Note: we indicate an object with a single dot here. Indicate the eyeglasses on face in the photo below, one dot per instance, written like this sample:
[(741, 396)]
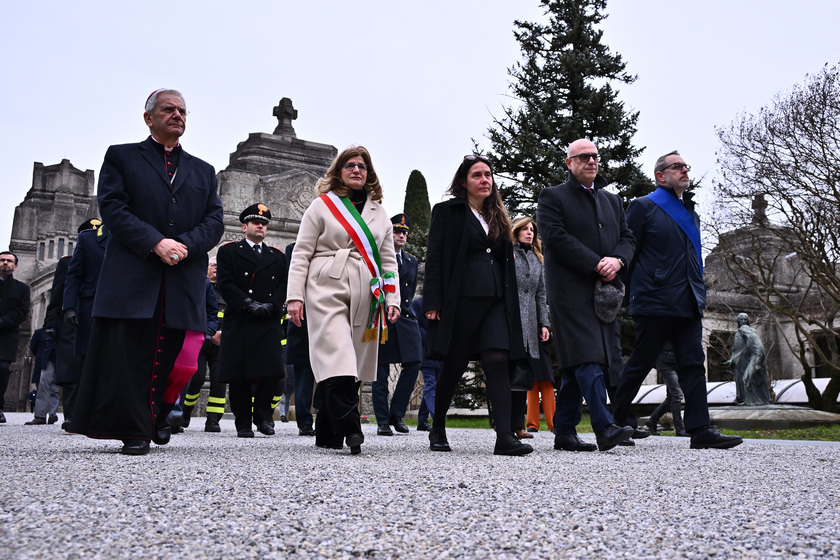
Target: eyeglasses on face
[(584, 158), (678, 166), (350, 166)]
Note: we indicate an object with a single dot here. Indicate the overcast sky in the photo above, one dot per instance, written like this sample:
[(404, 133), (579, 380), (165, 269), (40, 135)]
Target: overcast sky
[(412, 81)]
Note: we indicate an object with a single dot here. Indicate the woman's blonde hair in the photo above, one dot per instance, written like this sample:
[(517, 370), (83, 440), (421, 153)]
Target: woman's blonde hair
[(332, 180), (518, 225)]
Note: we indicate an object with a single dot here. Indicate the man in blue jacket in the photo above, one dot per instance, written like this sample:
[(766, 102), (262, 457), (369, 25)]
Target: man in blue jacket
[(667, 298)]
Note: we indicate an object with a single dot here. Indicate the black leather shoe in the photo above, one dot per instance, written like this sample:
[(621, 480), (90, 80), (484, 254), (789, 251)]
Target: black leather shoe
[(175, 425), (627, 443), (710, 438), (306, 432), (53, 419), (653, 428), (424, 426), (437, 441), (354, 442), (162, 431), (2, 417), (509, 444), (36, 422), (384, 430), (612, 436), (283, 418), (266, 428), (398, 424), (212, 426), (65, 425), (135, 447), (185, 419), (533, 430), (245, 432), (640, 434), (682, 433), (572, 443)]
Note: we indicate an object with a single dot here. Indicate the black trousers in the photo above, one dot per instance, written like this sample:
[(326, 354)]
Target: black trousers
[(253, 394), (339, 415), (685, 333)]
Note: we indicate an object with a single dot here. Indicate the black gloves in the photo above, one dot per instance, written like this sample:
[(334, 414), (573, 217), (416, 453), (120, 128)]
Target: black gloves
[(70, 318), (258, 310)]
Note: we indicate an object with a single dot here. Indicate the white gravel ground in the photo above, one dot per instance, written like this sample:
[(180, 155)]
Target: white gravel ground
[(216, 496)]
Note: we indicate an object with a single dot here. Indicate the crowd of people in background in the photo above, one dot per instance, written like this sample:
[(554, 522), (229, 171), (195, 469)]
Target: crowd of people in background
[(140, 315)]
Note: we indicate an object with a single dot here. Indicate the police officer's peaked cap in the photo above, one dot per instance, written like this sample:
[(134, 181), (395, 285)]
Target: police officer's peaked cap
[(256, 212), (93, 223), (401, 221)]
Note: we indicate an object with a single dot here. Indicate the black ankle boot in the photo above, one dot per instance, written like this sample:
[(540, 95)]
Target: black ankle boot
[(508, 444), (163, 431)]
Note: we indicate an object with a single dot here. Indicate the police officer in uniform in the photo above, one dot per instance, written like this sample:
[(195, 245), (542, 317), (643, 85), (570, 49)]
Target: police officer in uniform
[(252, 280), (403, 345)]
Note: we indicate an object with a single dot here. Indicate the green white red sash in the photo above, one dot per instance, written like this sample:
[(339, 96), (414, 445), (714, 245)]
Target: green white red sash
[(350, 219)]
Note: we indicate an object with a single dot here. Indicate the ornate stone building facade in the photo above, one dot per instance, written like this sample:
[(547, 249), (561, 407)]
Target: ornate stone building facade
[(277, 169)]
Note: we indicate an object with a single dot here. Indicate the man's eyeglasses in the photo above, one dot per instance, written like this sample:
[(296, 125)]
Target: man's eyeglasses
[(169, 109), (349, 166), (678, 166), (584, 158)]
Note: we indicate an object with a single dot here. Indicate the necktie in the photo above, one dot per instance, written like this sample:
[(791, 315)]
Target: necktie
[(591, 190), (399, 260), (257, 249)]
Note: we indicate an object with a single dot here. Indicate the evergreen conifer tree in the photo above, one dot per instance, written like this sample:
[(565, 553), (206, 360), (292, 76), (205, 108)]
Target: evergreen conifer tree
[(419, 211), (565, 86)]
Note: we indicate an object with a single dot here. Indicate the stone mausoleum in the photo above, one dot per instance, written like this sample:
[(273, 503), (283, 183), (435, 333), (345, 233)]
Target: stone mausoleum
[(278, 169)]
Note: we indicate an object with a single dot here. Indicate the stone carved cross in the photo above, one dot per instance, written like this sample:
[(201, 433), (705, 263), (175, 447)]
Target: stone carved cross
[(285, 114)]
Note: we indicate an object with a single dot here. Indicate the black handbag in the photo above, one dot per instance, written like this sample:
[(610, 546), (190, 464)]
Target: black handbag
[(521, 378)]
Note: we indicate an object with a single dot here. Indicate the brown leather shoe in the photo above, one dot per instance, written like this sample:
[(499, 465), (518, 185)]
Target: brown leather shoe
[(522, 434)]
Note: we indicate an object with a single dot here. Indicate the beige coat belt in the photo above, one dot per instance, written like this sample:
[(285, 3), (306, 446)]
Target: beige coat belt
[(340, 264)]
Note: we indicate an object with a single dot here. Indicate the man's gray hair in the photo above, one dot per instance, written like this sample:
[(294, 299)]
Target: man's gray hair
[(660, 163), (151, 101)]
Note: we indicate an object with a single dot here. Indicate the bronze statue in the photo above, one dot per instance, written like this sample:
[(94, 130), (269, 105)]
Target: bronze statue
[(749, 365)]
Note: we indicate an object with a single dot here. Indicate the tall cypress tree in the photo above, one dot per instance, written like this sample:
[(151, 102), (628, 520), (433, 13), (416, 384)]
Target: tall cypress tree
[(419, 211), (564, 84)]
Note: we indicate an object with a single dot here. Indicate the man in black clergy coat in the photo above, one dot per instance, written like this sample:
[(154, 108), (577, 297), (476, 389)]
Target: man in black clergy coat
[(586, 239), (403, 344), (163, 214), (14, 309), (252, 279), (667, 298)]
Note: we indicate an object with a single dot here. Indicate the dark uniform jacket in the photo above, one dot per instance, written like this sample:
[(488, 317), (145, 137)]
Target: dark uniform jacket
[(297, 340), (577, 231), (449, 276), (665, 277), (251, 347), (14, 308), (403, 344), (141, 208), (81, 281)]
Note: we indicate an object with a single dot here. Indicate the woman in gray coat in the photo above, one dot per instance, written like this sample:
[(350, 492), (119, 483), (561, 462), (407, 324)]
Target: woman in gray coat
[(528, 259)]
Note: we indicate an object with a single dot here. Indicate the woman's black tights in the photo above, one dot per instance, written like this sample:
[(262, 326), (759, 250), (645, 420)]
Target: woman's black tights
[(495, 364)]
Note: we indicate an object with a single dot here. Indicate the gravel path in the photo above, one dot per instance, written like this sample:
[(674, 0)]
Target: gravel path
[(217, 496)]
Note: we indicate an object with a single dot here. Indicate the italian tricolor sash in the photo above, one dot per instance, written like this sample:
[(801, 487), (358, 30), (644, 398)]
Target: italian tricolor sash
[(350, 219)]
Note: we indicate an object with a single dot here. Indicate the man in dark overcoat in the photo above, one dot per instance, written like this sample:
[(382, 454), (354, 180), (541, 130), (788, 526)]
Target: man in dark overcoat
[(403, 344), (667, 298), (14, 308), (75, 302), (163, 214), (586, 240), (252, 279)]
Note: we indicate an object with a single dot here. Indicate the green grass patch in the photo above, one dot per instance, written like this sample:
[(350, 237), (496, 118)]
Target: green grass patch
[(819, 433)]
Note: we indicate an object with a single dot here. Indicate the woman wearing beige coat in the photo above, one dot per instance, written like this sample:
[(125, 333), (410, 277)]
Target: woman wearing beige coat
[(331, 281)]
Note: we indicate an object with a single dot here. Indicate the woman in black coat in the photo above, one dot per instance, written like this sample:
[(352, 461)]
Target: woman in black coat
[(470, 298)]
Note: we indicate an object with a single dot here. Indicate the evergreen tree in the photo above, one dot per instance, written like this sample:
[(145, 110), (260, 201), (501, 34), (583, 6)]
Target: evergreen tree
[(419, 211), (565, 86)]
